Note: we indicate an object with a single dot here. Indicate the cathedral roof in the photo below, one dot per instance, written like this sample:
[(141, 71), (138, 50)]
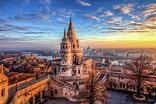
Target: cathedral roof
[(65, 38), (71, 31)]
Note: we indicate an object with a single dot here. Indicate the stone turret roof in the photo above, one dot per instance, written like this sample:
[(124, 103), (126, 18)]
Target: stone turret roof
[(71, 31), (65, 38)]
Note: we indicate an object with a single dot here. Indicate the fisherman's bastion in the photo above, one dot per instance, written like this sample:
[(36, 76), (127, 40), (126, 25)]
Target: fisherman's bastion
[(69, 74)]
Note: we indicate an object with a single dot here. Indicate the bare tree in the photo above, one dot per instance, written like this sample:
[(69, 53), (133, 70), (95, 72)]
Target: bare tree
[(94, 90), (141, 70)]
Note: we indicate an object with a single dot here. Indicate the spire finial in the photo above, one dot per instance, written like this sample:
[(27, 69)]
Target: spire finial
[(64, 31), (70, 20)]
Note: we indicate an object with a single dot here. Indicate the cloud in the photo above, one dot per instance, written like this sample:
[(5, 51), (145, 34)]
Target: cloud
[(96, 26), (115, 19), (150, 8), (2, 21), (136, 24), (106, 13), (142, 26), (115, 28), (2, 28), (106, 31), (83, 3), (46, 2), (62, 21), (125, 9), (65, 13), (32, 17), (12, 26), (151, 18), (91, 17), (139, 31), (36, 32)]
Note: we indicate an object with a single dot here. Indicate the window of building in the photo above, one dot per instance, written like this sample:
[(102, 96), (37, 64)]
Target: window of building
[(55, 91), (73, 45), (3, 92), (78, 71), (63, 47)]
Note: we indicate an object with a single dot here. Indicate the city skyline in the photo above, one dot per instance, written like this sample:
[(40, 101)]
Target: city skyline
[(38, 24)]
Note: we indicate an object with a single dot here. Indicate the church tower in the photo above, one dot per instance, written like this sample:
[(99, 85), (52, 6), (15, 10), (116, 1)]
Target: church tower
[(65, 49), (75, 44)]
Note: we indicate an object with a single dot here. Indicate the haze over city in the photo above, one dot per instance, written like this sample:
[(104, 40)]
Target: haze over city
[(39, 24)]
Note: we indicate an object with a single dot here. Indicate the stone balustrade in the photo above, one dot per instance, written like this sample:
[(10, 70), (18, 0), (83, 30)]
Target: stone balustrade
[(20, 83)]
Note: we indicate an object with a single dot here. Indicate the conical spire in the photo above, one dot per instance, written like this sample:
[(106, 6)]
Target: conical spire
[(71, 31), (65, 33), (65, 37)]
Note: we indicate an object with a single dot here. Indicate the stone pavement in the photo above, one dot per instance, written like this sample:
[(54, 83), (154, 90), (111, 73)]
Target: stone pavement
[(117, 97), (122, 97)]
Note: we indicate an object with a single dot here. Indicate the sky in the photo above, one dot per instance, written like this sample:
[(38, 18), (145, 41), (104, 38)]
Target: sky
[(39, 24)]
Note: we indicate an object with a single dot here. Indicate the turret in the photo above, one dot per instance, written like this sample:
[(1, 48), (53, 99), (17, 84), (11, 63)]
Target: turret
[(65, 50), (71, 31), (65, 38)]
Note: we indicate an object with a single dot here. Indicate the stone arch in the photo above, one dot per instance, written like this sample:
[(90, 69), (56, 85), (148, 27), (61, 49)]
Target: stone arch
[(63, 47), (55, 70), (73, 45), (122, 85), (2, 92), (74, 57), (112, 83), (131, 85), (51, 93)]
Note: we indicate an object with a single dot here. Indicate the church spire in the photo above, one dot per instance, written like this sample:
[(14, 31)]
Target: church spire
[(65, 33), (71, 31), (65, 37)]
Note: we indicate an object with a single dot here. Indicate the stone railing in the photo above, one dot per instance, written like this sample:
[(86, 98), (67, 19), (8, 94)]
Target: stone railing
[(61, 84), (20, 83), (67, 78), (26, 93)]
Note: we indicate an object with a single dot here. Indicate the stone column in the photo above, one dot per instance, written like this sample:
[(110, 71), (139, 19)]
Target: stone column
[(118, 83), (33, 100), (41, 97)]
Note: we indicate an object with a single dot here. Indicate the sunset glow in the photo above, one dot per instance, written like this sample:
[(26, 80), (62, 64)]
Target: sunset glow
[(39, 24)]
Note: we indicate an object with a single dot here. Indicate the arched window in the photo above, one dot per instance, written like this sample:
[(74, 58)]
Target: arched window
[(2, 92), (55, 91), (63, 47), (78, 71), (73, 45)]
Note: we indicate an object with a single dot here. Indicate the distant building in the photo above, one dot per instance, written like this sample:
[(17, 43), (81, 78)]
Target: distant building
[(92, 52)]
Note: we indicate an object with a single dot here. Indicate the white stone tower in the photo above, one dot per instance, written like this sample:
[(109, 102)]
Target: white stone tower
[(65, 49), (75, 44)]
